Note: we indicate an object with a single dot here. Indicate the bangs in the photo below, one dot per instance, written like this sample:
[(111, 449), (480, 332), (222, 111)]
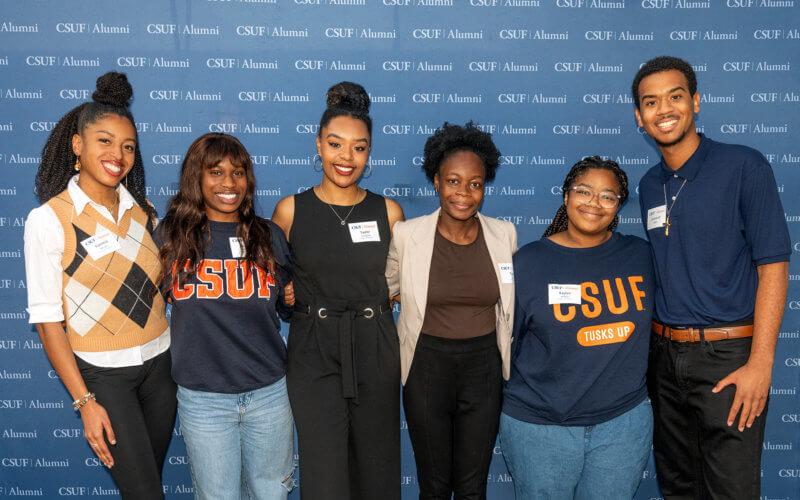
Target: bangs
[(221, 147)]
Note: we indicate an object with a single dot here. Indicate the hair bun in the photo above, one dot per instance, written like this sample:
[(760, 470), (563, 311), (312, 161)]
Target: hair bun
[(349, 95), (113, 88)]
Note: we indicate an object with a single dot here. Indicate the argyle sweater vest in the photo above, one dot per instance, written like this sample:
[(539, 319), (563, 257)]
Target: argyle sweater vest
[(110, 303)]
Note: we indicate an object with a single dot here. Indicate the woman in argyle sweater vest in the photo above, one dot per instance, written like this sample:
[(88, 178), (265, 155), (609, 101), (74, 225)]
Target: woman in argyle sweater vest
[(91, 267)]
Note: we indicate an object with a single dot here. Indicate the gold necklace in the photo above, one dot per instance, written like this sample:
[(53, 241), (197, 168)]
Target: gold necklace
[(116, 202)]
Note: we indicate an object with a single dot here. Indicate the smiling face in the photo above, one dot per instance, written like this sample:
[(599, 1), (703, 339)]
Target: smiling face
[(224, 186), (590, 219), (666, 108), (106, 149), (343, 145), (460, 182)]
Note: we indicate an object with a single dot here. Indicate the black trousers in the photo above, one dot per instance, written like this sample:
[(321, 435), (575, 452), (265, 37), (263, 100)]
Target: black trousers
[(141, 405), (343, 379), (452, 400), (698, 456)]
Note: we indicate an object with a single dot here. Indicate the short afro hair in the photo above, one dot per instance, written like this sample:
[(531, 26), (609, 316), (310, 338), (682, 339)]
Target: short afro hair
[(659, 64), (451, 139)]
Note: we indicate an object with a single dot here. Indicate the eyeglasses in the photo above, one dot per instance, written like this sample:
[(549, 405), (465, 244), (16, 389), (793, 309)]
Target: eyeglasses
[(606, 199)]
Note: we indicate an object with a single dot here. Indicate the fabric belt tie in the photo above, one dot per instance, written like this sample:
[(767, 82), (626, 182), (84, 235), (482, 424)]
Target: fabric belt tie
[(346, 312), (698, 334)]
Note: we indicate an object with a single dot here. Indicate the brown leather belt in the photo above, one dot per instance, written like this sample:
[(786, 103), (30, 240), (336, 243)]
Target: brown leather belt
[(709, 334)]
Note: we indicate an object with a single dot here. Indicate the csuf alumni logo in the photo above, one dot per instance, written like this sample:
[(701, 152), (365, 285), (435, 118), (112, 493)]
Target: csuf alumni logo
[(426, 33), (157, 29), (618, 36), (421, 65), (183, 95), (154, 62), (329, 65), (341, 32), (241, 63), (512, 34), (508, 66), (263, 31), (64, 62), (93, 29), (587, 67)]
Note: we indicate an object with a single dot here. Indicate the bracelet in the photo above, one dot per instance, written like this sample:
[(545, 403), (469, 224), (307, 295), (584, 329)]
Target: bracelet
[(80, 403)]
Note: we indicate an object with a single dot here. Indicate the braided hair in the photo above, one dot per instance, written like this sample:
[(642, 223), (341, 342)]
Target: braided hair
[(561, 220), (58, 159), (347, 99)]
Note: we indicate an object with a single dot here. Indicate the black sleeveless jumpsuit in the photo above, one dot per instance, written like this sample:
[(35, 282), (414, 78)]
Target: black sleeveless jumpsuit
[(343, 369)]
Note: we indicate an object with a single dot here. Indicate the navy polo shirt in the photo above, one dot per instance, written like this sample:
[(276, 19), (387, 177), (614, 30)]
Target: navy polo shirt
[(726, 220)]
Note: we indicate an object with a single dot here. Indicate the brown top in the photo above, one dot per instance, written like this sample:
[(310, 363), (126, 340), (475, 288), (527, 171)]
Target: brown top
[(462, 289)]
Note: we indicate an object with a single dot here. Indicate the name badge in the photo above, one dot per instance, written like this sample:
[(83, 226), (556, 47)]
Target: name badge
[(102, 243), (563, 294), (506, 272), (237, 247), (361, 232), (656, 217)]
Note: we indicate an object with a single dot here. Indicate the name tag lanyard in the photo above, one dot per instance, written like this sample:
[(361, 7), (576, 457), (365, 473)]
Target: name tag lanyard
[(669, 210)]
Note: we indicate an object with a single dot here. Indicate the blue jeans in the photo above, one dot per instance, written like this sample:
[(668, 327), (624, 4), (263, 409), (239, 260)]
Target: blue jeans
[(563, 462), (240, 446)]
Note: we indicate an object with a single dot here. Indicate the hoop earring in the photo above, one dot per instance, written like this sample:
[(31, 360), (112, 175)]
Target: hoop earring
[(369, 172), (77, 166), (317, 163)]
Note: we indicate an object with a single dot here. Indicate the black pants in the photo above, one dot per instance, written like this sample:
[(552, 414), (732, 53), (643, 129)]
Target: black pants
[(140, 402), (698, 456), (452, 401), (349, 447)]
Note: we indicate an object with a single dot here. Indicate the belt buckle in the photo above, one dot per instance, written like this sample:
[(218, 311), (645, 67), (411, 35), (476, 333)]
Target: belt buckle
[(322, 313), (368, 312)]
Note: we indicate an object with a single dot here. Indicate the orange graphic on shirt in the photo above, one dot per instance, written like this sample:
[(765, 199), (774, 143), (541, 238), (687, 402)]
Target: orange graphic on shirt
[(234, 277), (612, 294), (610, 333)]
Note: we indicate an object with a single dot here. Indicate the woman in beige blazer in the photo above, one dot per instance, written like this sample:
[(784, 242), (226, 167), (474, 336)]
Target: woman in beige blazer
[(453, 273)]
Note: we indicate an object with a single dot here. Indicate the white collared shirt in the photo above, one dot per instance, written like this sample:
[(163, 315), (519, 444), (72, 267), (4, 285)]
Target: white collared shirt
[(44, 249)]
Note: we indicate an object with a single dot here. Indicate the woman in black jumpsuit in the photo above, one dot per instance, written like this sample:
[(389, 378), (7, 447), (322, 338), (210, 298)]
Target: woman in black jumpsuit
[(343, 371)]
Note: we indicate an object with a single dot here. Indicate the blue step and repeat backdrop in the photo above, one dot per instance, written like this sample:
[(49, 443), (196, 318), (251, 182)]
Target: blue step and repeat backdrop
[(549, 79)]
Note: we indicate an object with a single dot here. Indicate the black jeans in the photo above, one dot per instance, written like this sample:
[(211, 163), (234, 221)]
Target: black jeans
[(452, 400), (698, 456), (141, 405)]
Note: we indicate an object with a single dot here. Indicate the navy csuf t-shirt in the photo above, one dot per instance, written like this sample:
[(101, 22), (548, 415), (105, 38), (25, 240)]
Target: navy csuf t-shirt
[(581, 330), (225, 327)]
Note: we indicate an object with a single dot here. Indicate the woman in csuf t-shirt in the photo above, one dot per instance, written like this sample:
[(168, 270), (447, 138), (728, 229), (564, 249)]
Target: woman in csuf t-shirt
[(576, 420), (226, 273)]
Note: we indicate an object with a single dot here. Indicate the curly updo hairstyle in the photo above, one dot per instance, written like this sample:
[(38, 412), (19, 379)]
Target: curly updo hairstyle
[(347, 99), (561, 221), (451, 139), (58, 160)]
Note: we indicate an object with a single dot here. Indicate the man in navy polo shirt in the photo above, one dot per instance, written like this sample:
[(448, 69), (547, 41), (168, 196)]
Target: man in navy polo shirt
[(720, 249)]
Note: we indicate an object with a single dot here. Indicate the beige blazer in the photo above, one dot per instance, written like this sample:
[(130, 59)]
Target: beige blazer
[(408, 267)]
